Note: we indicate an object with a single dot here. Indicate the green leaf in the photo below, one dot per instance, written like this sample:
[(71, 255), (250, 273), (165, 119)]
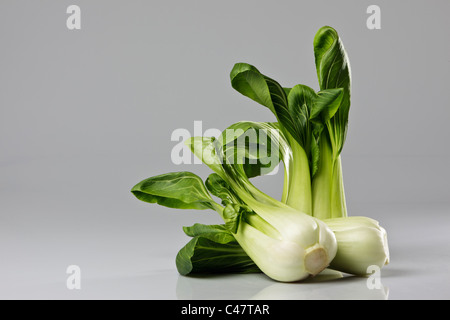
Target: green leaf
[(258, 146), (201, 255), (219, 188), (294, 108), (234, 206), (287, 90), (247, 80), (213, 249), (310, 111), (217, 232), (301, 99), (326, 104), (302, 105), (204, 148), (181, 190), (232, 217), (333, 71)]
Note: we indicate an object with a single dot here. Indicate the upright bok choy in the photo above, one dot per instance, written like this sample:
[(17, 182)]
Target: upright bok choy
[(333, 71), (299, 112), (315, 124)]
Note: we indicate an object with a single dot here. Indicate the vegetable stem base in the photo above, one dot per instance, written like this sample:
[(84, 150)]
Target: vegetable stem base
[(316, 260)]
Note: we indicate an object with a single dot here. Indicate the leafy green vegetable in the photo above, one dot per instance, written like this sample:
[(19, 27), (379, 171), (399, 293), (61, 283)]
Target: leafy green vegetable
[(286, 244), (308, 229), (213, 249), (180, 190), (301, 113), (259, 146), (219, 188), (247, 80), (204, 148), (333, 71), (308, 111)]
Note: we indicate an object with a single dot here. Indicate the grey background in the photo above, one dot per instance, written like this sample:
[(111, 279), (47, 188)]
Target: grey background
[(84, 115)]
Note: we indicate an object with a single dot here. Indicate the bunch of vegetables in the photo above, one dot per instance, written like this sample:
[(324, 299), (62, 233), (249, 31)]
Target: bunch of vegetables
[(308, 229)]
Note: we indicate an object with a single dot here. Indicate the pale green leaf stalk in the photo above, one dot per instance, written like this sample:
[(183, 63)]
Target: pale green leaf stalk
[(328, 195), (297, 180), (339, 205), (322, 181)]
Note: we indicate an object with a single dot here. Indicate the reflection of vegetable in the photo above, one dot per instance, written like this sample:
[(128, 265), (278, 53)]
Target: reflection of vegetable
[(299, 235)]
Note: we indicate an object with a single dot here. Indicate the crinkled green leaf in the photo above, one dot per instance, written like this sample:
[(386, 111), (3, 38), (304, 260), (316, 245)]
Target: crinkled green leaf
[(213, 249), (219, 188), (333, 71), (257, 146), (232, 217), (248, 81), (326, 104), (181, 190), (204, 148), (215, 232)]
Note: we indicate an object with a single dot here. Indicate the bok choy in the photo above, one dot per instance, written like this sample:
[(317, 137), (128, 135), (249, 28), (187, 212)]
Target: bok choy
[(284, 243), (308, 229)]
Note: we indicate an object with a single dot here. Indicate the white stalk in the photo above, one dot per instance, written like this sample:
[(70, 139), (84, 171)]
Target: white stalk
[(301, 246), (362, 243)]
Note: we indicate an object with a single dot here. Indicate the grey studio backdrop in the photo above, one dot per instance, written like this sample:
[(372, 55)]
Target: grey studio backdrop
[(86, 114)]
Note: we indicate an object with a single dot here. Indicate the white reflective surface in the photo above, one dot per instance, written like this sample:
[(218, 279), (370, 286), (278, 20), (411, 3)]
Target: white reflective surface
[(127, 265)]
